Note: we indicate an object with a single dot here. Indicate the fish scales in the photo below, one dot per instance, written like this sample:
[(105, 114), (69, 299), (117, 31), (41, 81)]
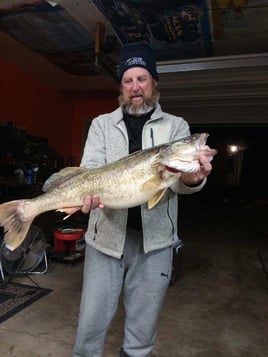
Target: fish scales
[(133, 180), (119, 179)]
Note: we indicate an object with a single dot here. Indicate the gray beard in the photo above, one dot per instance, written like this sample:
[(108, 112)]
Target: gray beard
[(146, 107), (130, 109)]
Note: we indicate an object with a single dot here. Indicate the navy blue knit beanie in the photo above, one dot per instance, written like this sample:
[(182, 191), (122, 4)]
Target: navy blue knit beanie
[(138, 54)]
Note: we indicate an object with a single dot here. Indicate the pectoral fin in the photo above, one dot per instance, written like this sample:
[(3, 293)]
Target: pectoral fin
[(156, 198)]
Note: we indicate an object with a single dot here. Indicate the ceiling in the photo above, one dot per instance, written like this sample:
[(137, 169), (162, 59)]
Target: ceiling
[(210, 54)]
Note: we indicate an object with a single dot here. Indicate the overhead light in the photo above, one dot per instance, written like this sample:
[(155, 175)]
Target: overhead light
[(52, 3), (232, 149)]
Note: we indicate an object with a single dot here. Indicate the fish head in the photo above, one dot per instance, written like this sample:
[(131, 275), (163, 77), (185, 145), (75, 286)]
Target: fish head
[(183, 155)]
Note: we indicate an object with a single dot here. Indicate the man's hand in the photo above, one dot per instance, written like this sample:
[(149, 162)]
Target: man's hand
[(90, 202), (195, 178)]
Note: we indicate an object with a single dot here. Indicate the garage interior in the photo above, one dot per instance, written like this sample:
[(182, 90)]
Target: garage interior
[(58, 67)]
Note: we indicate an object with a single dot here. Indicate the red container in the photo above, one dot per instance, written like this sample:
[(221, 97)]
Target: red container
[(69, 239)]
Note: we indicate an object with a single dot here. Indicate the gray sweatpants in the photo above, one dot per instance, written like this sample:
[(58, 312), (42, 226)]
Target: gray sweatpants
[(144, 279)]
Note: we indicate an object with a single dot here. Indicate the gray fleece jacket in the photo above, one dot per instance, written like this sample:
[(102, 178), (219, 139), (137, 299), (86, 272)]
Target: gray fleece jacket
[(107, 141)]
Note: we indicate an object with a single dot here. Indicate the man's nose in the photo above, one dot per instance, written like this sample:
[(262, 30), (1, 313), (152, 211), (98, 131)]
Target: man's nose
[(135, 85)]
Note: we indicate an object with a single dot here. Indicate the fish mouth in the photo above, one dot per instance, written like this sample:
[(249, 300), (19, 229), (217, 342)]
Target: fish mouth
[(172, 169)]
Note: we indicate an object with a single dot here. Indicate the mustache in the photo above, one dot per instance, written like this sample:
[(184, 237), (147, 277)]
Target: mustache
[(136, 94), (151, 102)]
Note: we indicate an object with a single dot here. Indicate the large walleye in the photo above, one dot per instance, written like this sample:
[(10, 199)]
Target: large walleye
[(133, 180)]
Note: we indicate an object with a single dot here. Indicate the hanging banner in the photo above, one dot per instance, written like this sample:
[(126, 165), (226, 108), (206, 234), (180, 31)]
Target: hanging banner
[(175, 29)]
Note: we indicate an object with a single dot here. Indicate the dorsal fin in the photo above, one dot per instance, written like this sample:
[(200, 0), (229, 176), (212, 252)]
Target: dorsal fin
[(58, 177), (156, 198)]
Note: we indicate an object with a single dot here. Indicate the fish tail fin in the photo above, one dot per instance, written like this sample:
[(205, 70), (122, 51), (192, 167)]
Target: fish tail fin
[(15, 228)]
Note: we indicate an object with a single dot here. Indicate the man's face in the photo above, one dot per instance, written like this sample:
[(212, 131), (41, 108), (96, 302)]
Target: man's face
[(138, 89)]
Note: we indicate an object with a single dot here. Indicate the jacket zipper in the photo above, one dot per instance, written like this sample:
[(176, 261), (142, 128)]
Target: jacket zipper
[(168, 214), (152, 136)]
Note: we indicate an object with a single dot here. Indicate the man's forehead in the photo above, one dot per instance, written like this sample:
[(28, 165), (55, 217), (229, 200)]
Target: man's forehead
[(136, 72)]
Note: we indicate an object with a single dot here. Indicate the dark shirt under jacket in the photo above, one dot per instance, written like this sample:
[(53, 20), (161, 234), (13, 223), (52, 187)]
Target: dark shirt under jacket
[(134, 126)]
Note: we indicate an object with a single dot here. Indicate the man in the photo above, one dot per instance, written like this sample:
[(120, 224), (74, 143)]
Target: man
[(130, 251)]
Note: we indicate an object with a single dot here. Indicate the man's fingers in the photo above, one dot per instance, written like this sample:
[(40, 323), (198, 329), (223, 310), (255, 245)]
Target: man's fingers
[(205, 164), (91, 202), (95, 201), (86, 204)]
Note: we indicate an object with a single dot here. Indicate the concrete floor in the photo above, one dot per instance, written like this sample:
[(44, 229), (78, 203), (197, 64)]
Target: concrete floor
[(217, 308)]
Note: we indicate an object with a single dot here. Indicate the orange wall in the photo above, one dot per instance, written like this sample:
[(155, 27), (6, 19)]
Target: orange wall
[(35, 106), (45, 111)]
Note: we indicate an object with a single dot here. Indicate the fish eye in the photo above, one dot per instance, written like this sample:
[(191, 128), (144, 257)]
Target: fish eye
[(187, 140)]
